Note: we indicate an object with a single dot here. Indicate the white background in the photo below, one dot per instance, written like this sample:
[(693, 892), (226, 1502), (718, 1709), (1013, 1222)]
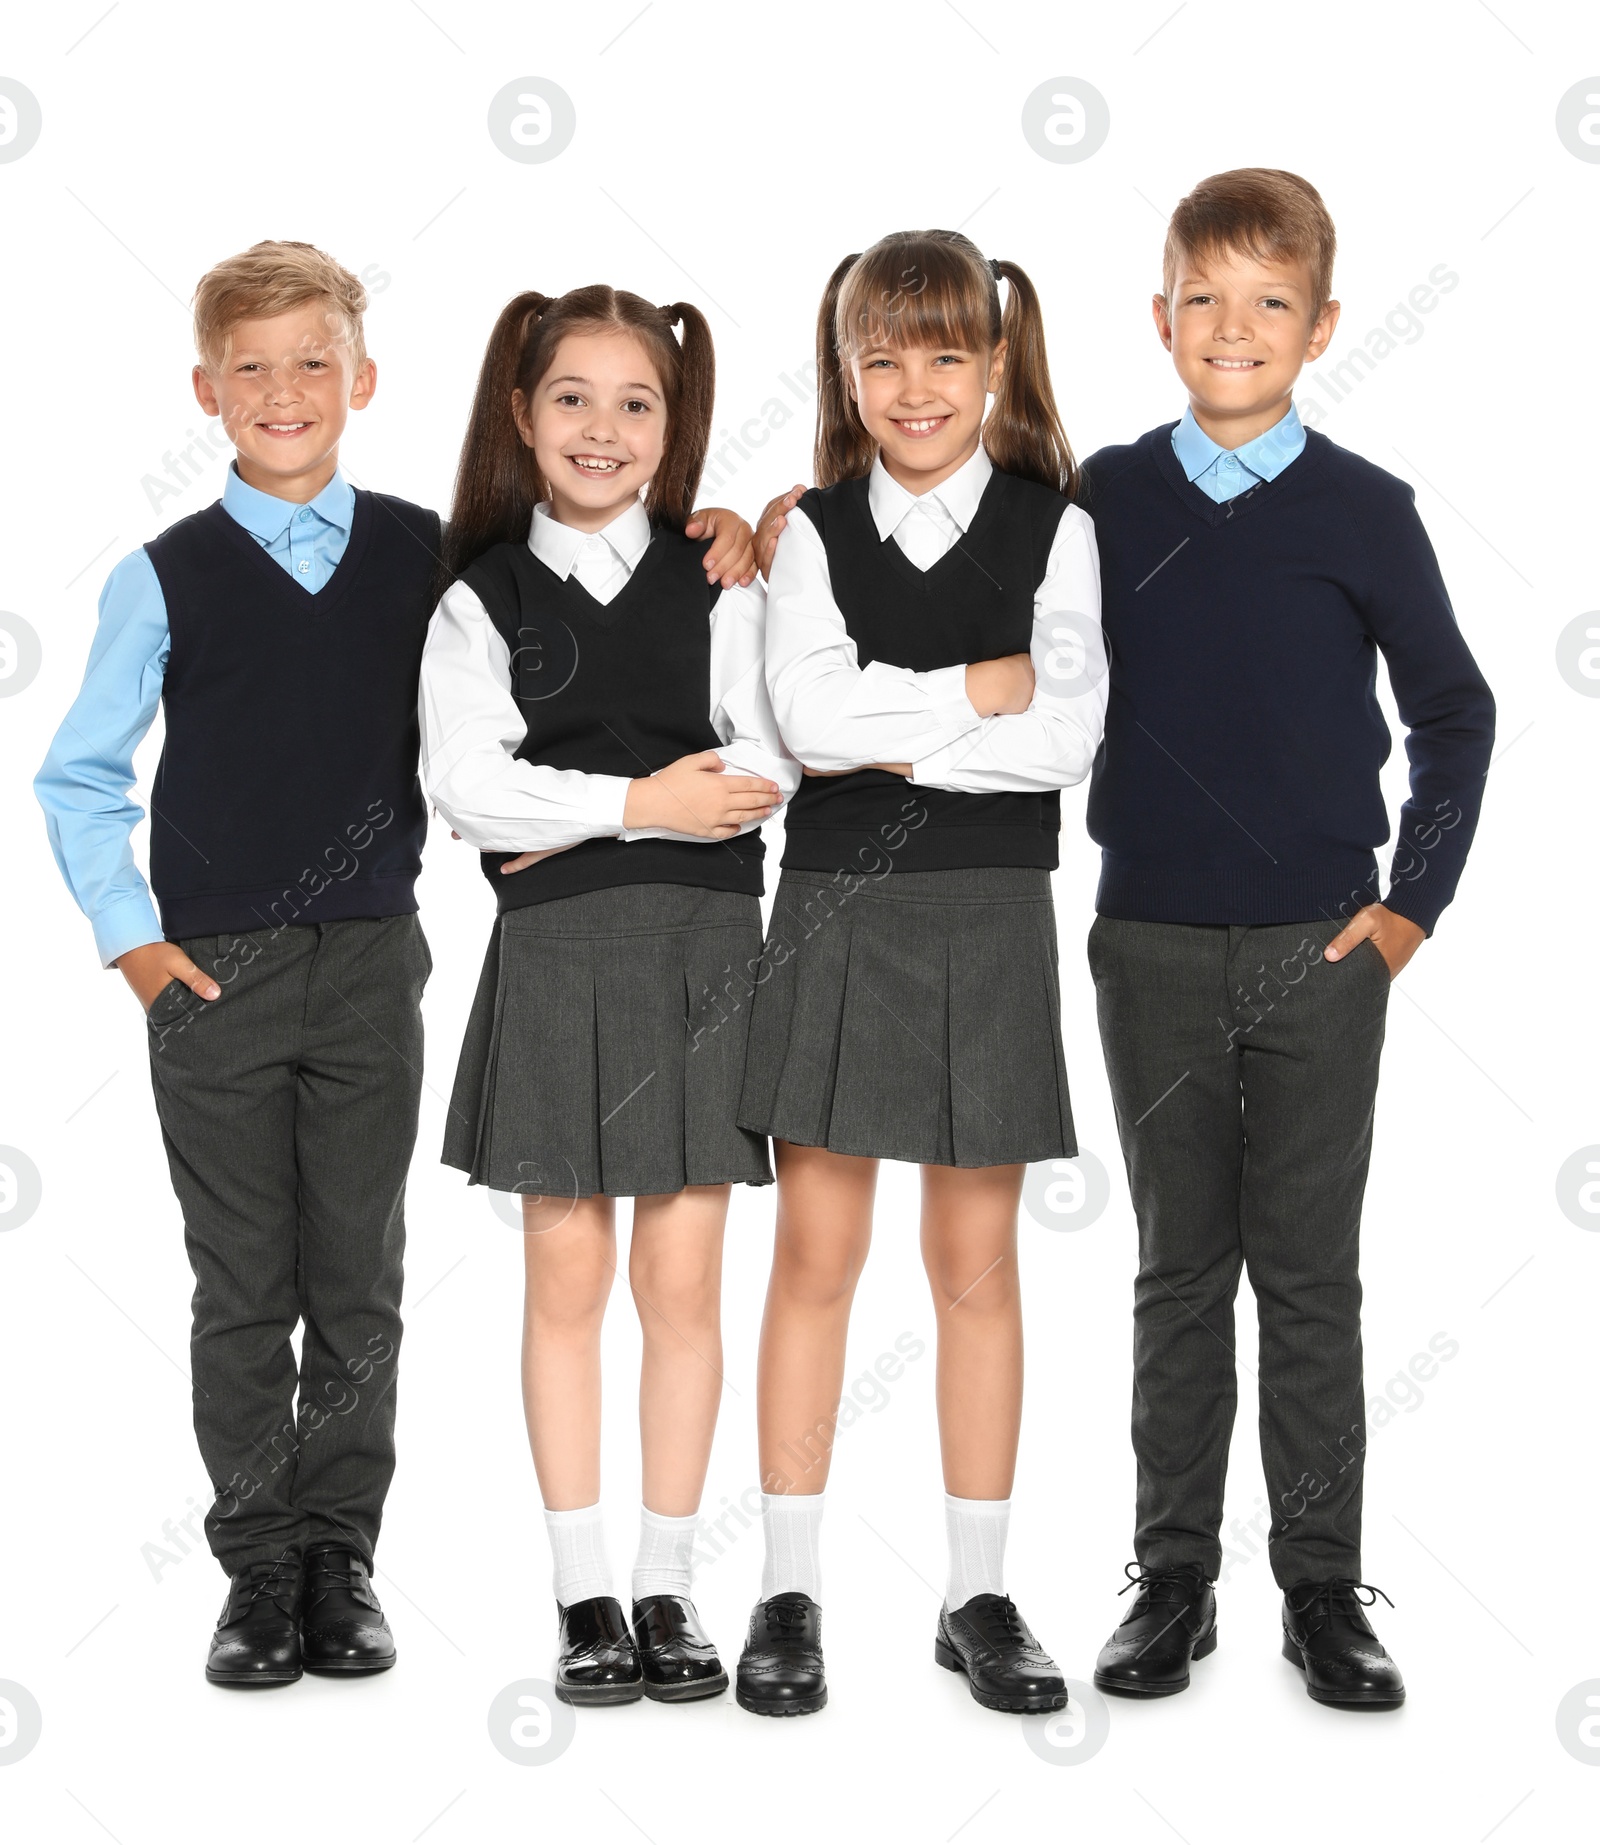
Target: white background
[(729, 156)]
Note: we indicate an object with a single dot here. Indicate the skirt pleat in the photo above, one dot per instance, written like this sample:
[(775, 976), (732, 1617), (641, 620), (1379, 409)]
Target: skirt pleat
[(597, 1059), (915, 1017)]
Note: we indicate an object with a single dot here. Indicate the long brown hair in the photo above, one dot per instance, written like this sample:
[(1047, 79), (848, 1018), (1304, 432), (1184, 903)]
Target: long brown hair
[(498, 482), (937, 289)]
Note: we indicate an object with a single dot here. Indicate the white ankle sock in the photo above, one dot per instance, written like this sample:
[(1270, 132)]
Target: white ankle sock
[(976, 1531), (793, 1523), (578, 1544), (663, 1565)]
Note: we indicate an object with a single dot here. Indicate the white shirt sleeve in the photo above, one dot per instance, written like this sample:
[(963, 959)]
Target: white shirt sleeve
[(471, 727), (834, 714), (741, 711), (1053, 743)]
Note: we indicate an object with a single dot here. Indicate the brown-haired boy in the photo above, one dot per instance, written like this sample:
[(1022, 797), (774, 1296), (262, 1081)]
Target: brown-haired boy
[(281, 630), (1252, 572)]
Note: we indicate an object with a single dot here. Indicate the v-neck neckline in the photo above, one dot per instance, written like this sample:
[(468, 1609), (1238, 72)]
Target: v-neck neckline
[(605, 614), (897, 556), (344, 572), (1214, 512)]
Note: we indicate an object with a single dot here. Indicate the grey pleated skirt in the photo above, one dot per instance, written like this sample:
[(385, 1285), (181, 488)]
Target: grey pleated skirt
[(913, 1017), (605, 1046)]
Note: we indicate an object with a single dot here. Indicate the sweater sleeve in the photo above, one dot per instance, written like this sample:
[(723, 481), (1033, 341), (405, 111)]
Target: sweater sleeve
[(1444, 703)]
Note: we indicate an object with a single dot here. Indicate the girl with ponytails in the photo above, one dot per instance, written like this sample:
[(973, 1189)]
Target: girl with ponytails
[(934, 660), (595, 721)]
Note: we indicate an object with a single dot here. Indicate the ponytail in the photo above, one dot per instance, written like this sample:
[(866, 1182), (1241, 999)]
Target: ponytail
[(843, 448), (497, 480), (1023, 432), (669, 500), (498, 483)]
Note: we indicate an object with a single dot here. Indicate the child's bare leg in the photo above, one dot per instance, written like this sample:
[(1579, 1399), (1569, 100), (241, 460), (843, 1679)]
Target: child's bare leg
[(969, 1249), (675, 1271), (823, 1234), (570, 1255)]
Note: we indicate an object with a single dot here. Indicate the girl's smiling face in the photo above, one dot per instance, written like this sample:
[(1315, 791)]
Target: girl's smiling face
[(923, 406), (597, 425)]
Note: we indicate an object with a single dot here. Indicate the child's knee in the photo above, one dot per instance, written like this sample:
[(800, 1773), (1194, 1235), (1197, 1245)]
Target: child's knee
[(817, 1276), (677, 1299), (973, 1286)]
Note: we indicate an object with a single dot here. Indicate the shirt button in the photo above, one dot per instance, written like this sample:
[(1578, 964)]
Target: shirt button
[(305, 513), (304, 567)]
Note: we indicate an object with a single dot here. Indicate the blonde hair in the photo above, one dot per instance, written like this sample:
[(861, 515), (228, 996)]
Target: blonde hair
[(271, 278), (1263, 211)]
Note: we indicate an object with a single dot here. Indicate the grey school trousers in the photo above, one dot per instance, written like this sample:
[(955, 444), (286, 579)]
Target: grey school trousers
[(1243, 1069), (289, 1111)]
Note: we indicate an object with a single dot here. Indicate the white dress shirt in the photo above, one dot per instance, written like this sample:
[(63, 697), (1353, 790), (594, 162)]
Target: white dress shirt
[(472, 725), (835, 714)]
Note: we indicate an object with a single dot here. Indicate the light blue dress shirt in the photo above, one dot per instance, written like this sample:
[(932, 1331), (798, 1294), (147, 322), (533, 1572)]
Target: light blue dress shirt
[(85, 784), (1222, 473)]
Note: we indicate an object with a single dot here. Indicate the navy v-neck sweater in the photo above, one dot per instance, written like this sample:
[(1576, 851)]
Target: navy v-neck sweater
[(1238, 779)]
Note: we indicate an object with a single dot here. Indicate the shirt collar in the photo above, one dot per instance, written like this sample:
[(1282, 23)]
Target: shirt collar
[(958, 495), (267, 517), (559, 546), (1266, 456)]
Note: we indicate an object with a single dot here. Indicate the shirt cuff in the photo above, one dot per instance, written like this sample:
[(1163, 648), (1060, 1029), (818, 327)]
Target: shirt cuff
[(131, 922), (605, 798), (948, 684)]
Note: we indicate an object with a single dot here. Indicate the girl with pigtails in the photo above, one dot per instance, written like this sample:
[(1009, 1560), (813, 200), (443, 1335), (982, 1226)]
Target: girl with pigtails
[(934, 659), (595, 721)]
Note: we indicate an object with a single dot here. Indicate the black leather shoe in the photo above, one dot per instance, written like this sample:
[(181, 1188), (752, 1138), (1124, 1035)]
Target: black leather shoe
[(1326, 1633), (780, 1669), (675, 1654), (342, 1627), (1173, 1620), (257, 1642), (597, 1663), (1006, 1667)]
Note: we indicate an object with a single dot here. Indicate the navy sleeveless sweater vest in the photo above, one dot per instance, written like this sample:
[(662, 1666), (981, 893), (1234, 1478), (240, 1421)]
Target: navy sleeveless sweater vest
[(611, 688), (287, 788), (975, 603)]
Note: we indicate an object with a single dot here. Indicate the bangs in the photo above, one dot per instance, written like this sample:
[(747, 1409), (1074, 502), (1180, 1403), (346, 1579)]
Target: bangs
[(918, 290), (1260, 212), (1264, 243)]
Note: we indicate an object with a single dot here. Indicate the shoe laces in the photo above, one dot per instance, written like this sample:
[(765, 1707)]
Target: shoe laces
[(325, 1576), (1168, 1585), (275, 1580), (787, 1613), (1319, 1597), (1004, 1622)]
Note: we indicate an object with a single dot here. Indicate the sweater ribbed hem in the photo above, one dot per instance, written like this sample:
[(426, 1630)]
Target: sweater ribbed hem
[(279, 906), (609, 865), (929, 848), (1330, 892)]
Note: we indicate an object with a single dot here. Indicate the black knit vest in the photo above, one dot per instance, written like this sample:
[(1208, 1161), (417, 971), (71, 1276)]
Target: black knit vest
[(975, 603), (611, 688), (287, 788)]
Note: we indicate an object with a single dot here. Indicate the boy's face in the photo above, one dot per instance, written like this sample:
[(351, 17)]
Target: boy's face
[(1239, 328), (923, 406), (597, 425), (284, 393)]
